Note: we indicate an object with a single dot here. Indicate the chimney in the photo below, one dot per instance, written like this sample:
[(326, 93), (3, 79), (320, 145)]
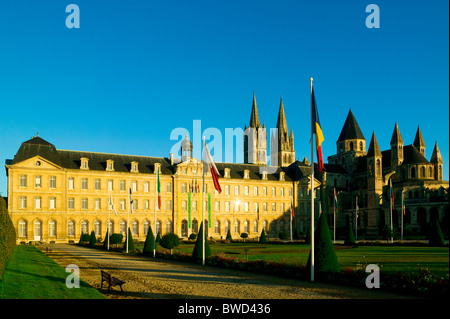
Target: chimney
[(171, 158)]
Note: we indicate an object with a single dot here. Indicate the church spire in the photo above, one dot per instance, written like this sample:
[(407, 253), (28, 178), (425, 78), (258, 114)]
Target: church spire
[(254, 117), (419, 142), (396, 136), (281, 121)]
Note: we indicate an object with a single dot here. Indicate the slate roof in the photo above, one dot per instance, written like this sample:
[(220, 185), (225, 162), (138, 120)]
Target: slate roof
[(351, 129)]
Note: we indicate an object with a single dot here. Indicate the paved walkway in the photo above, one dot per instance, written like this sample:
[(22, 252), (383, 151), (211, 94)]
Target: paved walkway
[(156, 278)]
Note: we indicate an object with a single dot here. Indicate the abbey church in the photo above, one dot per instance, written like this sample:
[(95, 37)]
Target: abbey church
[(55, 195)]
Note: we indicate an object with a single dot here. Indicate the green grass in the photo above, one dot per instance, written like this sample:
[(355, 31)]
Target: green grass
[(30, 274), (390, 259)]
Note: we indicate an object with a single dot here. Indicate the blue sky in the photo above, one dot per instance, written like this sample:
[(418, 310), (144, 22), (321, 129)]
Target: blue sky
[(135, 70)]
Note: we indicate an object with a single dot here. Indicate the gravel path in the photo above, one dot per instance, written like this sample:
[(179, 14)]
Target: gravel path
[(162, 279)]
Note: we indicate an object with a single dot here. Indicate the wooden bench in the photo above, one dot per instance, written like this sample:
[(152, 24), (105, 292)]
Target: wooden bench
[(111, 281)]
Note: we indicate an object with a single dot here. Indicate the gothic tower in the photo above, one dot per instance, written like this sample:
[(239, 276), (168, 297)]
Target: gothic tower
[(374, 182), (255, 139), (285, 154), (419, 142), (436, 159), (396, 148)]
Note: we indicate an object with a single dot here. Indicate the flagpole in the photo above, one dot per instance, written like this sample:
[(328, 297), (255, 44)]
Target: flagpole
[(128, 220), (390, 200), (356, 219), (109, 221), (290, 213), (403, 212), (156, 203), (312, 187), (203, 213), (334, 216)]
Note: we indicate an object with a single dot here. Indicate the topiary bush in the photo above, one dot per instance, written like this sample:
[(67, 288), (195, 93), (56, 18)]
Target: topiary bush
[(325, 259), (229, 235), (116, 239), (84, 238), (169, 241), (150, 243), (263, 237), (197, 253), (92, 239), (349, 237)]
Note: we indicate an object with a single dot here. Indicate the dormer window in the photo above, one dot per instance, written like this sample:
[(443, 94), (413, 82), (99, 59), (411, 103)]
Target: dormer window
[(264, 175), (134, 167), (281, 176), (109, 165), (84, 163), (158, 167), (246, 174), (227, 173)]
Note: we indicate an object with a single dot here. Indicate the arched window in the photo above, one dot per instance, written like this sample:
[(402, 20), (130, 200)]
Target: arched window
[(227, 226), (255, 226), (22, 228), (37, 230), (184, 228), (378, 168), (98, 228), (361, 146), (351, 146), (413, 172), (84, 227), (237, 227), (423, 172), (194, 226), (70, 228), (168, 226), (110, 225), (158, 229), (217, 227), (246, 227), (123, 227), (52, 228), (135, 228), (146, 225)]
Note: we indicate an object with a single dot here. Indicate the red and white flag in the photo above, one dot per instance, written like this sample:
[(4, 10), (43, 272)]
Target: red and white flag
[(209, 166)]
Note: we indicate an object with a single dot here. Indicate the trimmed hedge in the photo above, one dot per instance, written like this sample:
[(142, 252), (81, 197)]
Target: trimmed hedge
[(7, 236)]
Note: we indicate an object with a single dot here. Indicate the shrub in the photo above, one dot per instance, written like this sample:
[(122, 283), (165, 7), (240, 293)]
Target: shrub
[(283, 235), (244, 235), (169, 241), (197, 253), (116, 239), (349, 237), (229, 235), (105, 242), (325, 259), (84, 238), (192, 236), (150, 243), (263, 237), (7, 236), (92, 239)]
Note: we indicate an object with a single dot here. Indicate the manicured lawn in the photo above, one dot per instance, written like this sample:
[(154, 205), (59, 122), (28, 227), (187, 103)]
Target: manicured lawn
[(390, 259), (30, 274)]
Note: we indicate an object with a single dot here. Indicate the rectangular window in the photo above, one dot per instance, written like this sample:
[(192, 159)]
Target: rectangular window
[(255, 191), (184, 188), (265, 207), (122, 185), (264, 191), (146, 204), (183, 205), (236, 190), (274, 192), (23, 180), (110, 185), (246, 206), (135, 204), (246, 190), (84, 183), (22, 202), (169, 187), (70, 183), (227, 206), (37, 202), (97, 184), (282, 207), (52, 182), (70, 203), (97, 203), (256, 207), (52, 203), (134, 186), (227, 189), (84, 203), (37, 181), (217, 206), (146, 187), (122, 204), (274, 207), (169, 205), (281, 192)]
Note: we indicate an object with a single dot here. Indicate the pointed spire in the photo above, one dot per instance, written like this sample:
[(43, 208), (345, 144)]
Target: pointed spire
[(374, 148), (396, 136), (436, 157), (254, 118), (351, 129), (418, 140), (281, 121), (291, 136)]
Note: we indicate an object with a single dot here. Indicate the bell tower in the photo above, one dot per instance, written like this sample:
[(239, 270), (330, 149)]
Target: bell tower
[(255, 139)]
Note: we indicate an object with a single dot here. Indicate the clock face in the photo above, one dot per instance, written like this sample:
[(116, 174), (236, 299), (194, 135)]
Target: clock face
[(194, 171)]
